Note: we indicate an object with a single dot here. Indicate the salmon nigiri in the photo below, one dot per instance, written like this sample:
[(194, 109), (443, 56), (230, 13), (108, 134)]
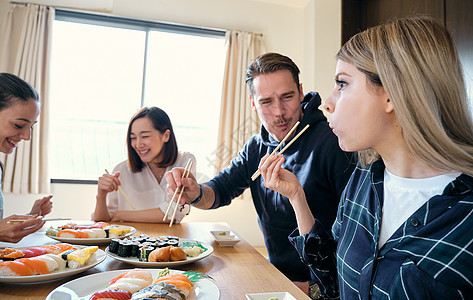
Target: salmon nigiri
[(181, 277), (14, 268)]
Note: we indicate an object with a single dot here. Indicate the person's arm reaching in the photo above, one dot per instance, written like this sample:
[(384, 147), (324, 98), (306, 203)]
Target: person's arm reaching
[(192, 190)]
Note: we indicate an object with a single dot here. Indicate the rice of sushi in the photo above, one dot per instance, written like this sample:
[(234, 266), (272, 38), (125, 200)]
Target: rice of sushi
[(50, 262), (61, 262)]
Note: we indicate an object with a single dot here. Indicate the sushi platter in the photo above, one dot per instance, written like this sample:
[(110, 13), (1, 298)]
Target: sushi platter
[(85, 287), (134, 255), (96, 234), (57, 273)]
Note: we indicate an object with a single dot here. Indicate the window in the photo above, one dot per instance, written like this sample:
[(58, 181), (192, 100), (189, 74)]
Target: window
[(103, 69)]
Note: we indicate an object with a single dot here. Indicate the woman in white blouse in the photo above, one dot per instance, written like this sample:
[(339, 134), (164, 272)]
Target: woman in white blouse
[(152, 151)]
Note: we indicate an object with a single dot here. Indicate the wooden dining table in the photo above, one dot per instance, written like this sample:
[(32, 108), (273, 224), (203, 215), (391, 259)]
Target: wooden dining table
[(236, 271)]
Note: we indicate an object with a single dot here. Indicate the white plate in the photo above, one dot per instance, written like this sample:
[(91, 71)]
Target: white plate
[(54, 275), (94, 241), (225, 238), (84, 287), (267, 296), (135, 261)]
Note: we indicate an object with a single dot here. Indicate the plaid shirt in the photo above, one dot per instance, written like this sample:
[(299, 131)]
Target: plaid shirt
[(429, 257)]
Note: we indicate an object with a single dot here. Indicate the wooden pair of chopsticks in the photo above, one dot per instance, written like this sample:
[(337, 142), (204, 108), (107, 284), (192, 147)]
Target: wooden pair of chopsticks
[(187, 170), (123, 193), (257, 173), (46, 219)]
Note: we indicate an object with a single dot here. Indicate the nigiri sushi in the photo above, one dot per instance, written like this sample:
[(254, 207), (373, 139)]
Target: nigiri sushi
[(73, 233), (131, 281), (117, 231), (160, 290), (11, 254), (81, 257), (33, 251), (111, 294), (181, 281), (14, 268), (43, 264), (57, 248)]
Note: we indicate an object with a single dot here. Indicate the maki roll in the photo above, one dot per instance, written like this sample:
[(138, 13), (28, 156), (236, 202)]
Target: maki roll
[(144, 253), (135, 249), (173, 242), (124, 248), (113, 247)]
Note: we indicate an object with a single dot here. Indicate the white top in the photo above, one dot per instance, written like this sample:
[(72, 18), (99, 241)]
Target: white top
[(143, 189), (404, 196)]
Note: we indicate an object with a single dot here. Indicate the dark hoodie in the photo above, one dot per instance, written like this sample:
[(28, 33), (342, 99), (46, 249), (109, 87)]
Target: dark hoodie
[(322, 168)]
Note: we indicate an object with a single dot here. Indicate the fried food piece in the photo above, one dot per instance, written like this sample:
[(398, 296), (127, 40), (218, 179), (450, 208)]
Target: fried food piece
[(177, 254), (160, 254)]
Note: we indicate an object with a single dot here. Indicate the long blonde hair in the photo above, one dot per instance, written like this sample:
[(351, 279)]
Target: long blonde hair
[(416, 61)]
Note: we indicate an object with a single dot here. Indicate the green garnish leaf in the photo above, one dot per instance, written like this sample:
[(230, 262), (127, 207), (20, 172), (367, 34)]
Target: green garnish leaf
[(192, 244), (195, 276)]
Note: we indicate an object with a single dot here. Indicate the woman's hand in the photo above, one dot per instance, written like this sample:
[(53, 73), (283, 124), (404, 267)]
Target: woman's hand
[(13, 232), (107, 183), (277, 178), (42, 207)]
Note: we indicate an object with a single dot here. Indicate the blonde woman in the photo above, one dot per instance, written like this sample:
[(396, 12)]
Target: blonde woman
[(404, 223)]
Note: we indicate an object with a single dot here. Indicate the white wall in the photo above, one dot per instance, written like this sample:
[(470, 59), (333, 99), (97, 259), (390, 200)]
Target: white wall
[(308, 31)]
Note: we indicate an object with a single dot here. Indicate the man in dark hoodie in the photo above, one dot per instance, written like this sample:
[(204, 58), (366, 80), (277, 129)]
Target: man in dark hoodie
[(315, 158)]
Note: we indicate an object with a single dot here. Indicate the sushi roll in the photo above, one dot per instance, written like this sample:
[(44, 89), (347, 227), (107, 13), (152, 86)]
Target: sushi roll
[(173, 242), (113, 247), (135, 249), (145, 252), (124, 248)]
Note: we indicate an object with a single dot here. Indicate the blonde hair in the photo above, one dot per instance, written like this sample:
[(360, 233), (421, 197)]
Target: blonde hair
[(415, 60)]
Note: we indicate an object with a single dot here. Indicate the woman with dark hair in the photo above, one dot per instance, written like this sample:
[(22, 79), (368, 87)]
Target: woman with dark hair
[(152, 151), (19, 111)]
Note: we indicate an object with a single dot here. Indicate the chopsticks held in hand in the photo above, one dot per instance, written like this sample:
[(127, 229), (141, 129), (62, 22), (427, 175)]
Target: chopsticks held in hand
[(45, 219), (257, 173), (123, 193), (187, 170)]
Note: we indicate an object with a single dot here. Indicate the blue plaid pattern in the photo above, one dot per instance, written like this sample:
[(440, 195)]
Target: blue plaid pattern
[(429, 257)]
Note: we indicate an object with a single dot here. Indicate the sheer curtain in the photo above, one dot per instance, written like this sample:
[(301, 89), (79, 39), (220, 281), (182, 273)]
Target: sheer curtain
[(237, 120), (24, 50)]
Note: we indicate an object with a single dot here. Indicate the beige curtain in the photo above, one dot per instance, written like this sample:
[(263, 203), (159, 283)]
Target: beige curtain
[(24, 51), (237, 120)]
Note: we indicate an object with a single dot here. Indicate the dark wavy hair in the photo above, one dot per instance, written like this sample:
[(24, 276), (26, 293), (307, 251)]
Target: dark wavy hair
[(161, 122)]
